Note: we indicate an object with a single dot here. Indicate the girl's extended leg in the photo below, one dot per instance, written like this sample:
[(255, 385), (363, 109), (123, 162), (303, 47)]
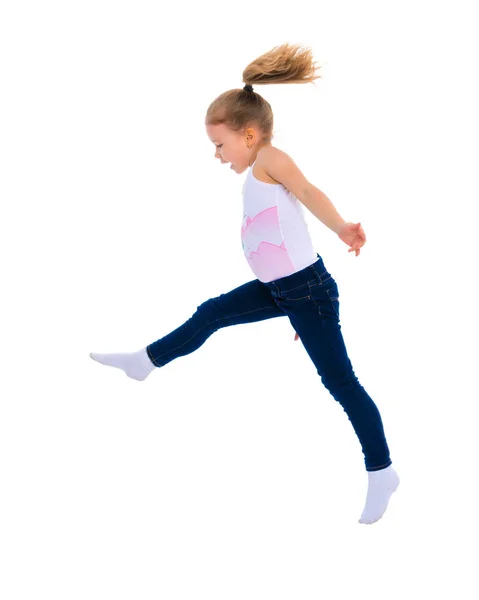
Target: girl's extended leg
[(247, 303)]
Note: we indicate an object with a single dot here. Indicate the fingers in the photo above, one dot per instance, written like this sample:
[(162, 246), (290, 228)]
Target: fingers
[(360, 231)]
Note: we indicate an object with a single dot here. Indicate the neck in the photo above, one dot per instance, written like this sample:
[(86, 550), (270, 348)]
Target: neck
[(255, 156)]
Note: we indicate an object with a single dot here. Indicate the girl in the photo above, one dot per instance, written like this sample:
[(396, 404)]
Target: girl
[(291, 278)]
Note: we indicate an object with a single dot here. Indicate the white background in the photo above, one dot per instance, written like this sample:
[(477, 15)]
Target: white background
[(232, 473)]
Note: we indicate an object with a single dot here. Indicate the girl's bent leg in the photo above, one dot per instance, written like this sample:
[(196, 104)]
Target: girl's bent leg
[(324, 343), (247, 303), (313, 309)]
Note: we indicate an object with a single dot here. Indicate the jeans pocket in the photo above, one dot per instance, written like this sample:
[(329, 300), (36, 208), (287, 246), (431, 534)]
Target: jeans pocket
[(326, 298), (333, 294), (302, 292)]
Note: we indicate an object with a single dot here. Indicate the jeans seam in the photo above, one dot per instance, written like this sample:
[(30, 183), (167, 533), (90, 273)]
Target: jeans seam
[(292, 289), (153, 360), (210, 323), (316, 304), (381, 466), (333, 299)]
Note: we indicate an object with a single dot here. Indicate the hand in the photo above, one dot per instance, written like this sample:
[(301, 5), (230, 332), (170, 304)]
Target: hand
[(296, 337), (353, 235)]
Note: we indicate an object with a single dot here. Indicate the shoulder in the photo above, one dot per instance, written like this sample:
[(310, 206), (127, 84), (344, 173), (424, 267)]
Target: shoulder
[(280, 167), (267, 154)]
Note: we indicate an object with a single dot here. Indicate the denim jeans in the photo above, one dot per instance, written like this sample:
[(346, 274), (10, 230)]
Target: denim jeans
[(310, 299)]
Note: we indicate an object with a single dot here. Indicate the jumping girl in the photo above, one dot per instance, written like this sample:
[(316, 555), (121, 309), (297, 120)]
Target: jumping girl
[(291, 278)]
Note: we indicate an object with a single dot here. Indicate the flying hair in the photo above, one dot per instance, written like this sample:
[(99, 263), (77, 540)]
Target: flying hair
[(239, 108)]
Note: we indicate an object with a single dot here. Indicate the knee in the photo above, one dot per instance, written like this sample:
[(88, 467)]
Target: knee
[(209, 313), (339, 381)]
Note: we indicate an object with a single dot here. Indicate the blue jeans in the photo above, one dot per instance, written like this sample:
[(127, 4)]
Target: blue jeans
[(310, 299)]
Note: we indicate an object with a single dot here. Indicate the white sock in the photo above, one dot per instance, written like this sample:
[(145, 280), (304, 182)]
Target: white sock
[(381, 485), (136, 365)]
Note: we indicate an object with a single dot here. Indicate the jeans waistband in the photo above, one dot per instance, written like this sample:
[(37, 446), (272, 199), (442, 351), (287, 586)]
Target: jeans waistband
[(311, 274)]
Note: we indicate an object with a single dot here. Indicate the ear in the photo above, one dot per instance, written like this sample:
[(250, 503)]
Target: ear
[(250, 134)]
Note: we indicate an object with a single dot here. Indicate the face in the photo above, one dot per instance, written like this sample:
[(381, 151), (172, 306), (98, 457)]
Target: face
[(232, 147)]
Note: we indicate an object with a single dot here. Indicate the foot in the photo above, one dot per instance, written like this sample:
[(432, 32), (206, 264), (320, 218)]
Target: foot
[(136, 365), (381, 485)]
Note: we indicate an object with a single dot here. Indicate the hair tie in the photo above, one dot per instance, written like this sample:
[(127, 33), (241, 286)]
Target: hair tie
[(248, 88)]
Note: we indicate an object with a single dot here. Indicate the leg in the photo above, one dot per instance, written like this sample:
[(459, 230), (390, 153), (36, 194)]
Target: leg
[(313, 310), (247, 303)]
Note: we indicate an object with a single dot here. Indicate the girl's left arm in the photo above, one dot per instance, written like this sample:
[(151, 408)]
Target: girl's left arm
[(282, 168)]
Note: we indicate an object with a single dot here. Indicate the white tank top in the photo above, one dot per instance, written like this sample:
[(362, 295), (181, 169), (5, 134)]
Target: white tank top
[(274, 233)]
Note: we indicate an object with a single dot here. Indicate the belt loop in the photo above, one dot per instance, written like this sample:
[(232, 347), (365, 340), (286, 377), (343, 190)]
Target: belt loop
[(317, 275)]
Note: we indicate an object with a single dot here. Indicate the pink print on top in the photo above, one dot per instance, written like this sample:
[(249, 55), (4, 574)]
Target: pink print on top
[(264, 246), (274, 233)]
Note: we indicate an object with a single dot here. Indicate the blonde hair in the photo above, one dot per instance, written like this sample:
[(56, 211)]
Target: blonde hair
[(239, 108)]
